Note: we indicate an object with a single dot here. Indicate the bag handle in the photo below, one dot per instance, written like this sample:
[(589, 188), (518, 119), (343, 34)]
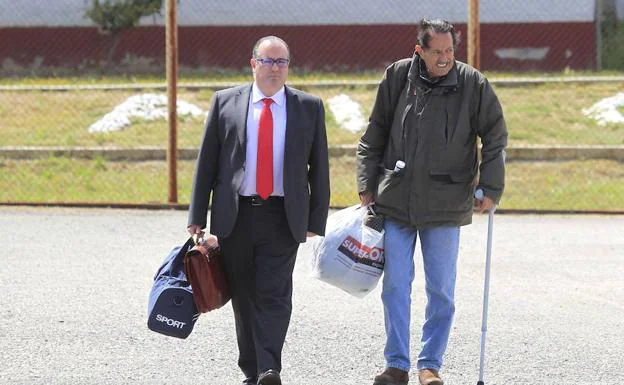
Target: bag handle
[(198, 239), (200, 245), (178, 261)]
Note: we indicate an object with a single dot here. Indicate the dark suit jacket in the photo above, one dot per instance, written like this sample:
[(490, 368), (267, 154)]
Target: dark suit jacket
[(221, 163)]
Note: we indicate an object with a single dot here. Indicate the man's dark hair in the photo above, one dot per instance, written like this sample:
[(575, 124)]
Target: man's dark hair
[(273, 39), (428, 26)]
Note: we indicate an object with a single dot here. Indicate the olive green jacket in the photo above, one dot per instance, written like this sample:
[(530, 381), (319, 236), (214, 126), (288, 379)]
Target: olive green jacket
[(433, 128)]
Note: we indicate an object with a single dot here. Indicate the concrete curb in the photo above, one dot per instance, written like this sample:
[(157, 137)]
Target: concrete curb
[(142, 154), (162, 86)]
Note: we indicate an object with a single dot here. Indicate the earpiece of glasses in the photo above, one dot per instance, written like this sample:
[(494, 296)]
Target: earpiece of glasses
[(268, 62)]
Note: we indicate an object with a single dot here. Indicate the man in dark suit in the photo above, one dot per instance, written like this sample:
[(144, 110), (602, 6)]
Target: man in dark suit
[(264, 158)]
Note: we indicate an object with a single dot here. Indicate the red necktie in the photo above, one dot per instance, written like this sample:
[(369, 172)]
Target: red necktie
[(264, 168)]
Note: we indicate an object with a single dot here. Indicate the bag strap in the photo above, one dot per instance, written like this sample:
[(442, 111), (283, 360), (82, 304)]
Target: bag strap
[(178, 263), (403, 76)]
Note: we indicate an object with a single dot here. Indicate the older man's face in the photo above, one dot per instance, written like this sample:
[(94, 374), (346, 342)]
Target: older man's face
[(439, 57)]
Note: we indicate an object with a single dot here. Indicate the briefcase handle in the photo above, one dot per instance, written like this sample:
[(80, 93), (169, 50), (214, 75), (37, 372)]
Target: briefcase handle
[(202, 247), (198, 238), (201, 239)]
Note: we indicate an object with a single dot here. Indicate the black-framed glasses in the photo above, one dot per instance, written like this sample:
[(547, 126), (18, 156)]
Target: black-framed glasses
[(268, 62)]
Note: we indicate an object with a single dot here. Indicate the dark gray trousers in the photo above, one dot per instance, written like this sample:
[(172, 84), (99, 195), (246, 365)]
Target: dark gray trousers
[(259, 257)]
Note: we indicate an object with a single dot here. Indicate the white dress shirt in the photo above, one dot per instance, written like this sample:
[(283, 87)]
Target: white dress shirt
[(278, 109)]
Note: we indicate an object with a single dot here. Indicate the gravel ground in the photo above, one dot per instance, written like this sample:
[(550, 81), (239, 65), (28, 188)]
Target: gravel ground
[(75, 282)]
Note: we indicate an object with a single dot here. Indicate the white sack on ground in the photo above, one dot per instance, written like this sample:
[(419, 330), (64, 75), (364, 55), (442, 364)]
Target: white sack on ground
[(145, 106), (606, 110), (348, 114)]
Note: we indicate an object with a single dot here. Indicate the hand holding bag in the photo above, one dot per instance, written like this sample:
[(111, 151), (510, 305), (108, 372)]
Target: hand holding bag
[(204, 270), (171, 310)]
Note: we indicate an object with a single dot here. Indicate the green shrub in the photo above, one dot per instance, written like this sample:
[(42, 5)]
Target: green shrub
[(613, 46)]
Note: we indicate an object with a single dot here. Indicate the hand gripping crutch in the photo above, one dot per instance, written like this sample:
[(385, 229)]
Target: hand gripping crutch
[(486, 285)]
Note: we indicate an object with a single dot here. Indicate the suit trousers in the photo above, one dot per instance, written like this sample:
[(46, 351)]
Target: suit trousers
[(259, 258)]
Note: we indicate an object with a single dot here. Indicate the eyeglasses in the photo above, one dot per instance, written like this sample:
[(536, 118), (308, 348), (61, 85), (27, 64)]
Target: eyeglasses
[(268, 62)]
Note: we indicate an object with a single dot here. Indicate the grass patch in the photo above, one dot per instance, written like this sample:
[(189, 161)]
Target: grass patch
[(542, 114), (63, 119), (98, 181), (577, 185), (553, 114)]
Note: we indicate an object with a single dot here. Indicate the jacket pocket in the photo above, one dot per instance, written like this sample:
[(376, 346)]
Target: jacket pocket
[(450, 191), (390, 190)]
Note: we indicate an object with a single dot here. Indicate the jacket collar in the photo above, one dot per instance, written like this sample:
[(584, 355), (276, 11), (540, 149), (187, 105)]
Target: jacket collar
[(279, 97), (242, 106), (418, 75)]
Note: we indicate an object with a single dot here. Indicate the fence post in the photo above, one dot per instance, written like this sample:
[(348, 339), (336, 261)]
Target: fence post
[(599, 43), (172, 73), (474, 38)]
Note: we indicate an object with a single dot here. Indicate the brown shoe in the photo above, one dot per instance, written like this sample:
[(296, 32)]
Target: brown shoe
[(392, 376), (429, 377)]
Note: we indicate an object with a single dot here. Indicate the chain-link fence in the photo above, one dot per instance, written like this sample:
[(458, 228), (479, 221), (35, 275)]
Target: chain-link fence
[(69, 36), (82, 94)]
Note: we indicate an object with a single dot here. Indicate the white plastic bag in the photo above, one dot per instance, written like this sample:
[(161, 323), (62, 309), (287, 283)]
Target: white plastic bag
[(351, 255)]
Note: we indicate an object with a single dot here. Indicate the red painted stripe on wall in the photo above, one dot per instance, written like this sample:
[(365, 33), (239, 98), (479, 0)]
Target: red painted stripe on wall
[(344, 47)]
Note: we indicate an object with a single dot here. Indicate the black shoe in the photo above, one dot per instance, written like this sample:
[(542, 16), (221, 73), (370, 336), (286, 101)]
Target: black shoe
[(270, 377), (250, 381), (392, 376)]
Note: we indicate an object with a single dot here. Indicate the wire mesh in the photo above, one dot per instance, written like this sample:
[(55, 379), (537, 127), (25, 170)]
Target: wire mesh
[(62, 76)]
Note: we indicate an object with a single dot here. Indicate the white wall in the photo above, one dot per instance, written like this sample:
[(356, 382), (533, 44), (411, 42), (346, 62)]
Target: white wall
[(306, 12), (620, 9)]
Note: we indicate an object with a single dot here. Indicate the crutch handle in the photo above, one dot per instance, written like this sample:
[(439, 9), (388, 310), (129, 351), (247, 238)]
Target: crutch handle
[(480, 196)]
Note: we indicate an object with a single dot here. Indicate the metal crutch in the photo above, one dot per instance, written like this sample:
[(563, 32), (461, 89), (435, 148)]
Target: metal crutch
[(486, 286)]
